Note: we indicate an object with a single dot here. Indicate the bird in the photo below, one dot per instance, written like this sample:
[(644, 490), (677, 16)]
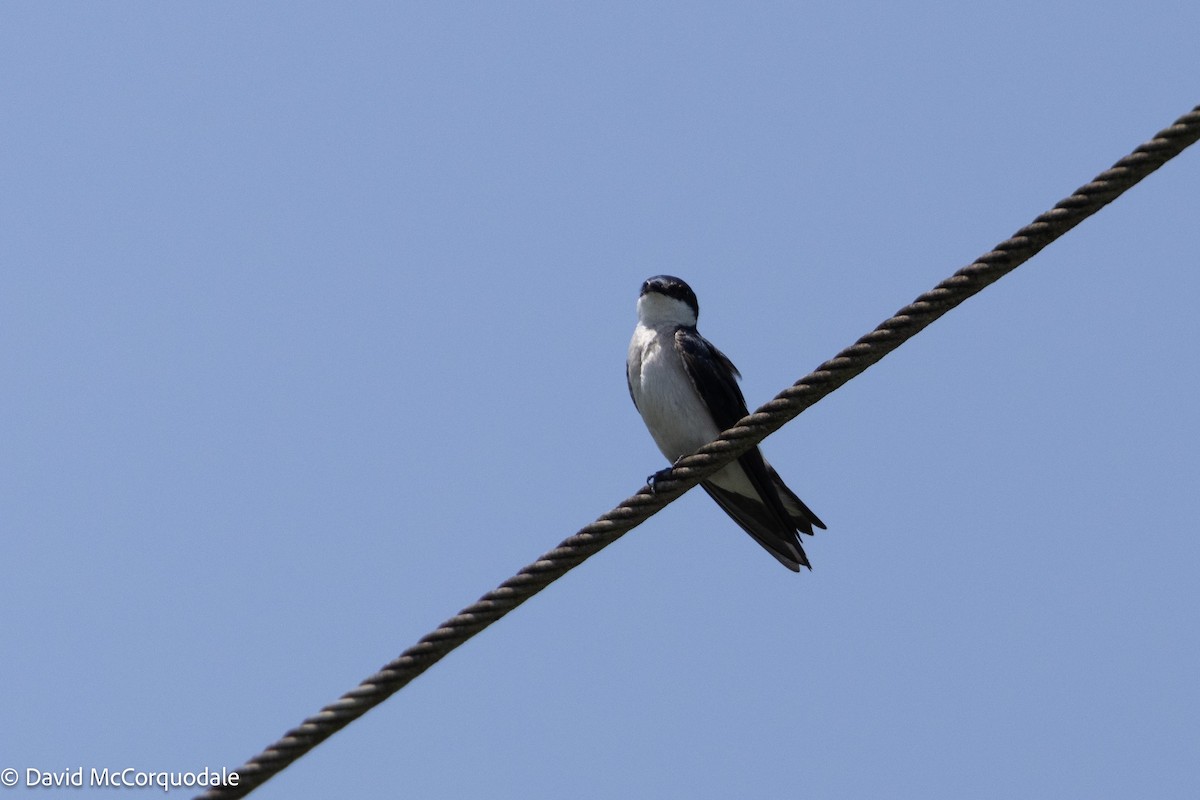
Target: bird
[(686, 391)]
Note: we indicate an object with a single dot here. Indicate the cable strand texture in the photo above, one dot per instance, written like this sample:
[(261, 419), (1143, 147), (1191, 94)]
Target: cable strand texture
[(747, 433)]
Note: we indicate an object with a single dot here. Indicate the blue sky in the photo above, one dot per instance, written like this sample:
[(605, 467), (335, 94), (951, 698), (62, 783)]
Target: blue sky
[(314, 320)]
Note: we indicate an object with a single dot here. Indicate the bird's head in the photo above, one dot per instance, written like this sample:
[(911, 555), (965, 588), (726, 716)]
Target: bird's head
[(666, 300)]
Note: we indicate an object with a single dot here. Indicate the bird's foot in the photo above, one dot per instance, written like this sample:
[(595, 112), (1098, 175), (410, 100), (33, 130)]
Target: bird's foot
[(652, 480)]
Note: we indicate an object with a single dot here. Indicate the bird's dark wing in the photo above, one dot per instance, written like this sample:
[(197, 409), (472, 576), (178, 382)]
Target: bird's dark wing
[(801, 514), (765, 518), (713, 375)]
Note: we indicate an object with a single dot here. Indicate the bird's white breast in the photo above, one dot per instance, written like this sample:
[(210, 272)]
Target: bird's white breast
[(673, 412), (676, 416)]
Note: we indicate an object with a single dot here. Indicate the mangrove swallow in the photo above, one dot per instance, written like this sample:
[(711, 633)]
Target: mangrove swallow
[(687, 393)]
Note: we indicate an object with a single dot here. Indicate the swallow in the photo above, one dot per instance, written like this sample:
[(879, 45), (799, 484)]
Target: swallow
[(686, 391)]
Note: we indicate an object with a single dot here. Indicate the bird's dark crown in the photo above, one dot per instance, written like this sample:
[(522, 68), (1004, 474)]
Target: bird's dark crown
[(671, 286)]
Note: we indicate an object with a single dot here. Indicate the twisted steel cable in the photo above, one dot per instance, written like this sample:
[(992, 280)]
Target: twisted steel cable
[(907, 322)]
